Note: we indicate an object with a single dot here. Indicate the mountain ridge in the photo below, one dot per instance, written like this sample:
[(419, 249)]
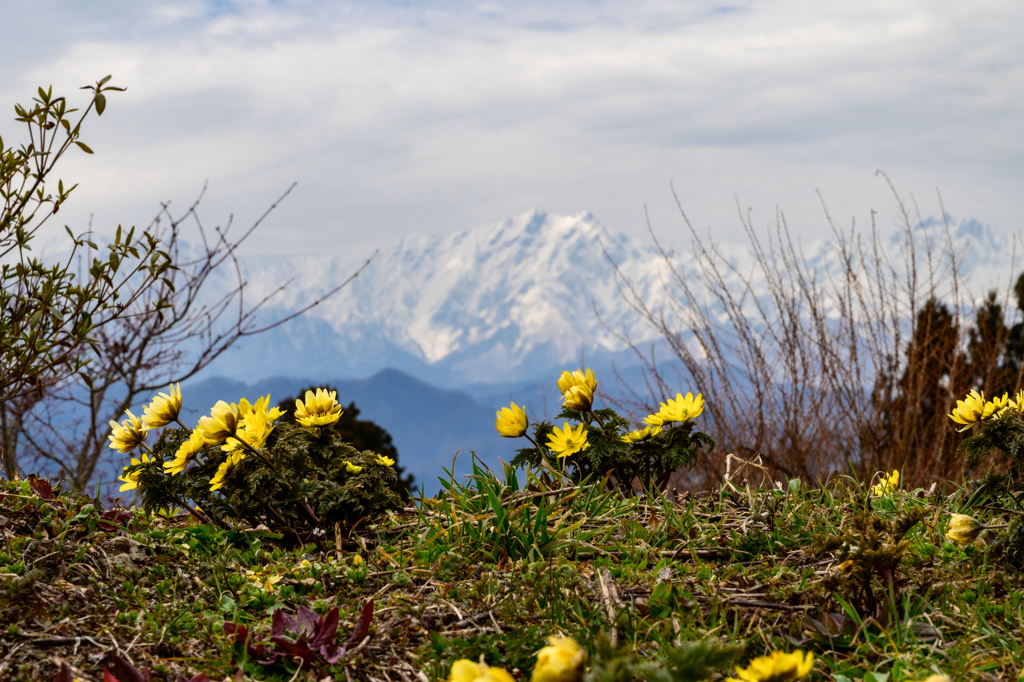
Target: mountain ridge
[(503, 302)]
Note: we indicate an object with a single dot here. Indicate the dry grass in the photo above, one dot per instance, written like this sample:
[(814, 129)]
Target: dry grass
[(818, 367)]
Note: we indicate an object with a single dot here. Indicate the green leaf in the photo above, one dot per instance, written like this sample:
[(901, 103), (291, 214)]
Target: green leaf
[(101, 103), (84, 147)]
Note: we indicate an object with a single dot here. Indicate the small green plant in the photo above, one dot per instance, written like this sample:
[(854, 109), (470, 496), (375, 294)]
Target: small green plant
[(870, 549), (239, 465), (602, 444)]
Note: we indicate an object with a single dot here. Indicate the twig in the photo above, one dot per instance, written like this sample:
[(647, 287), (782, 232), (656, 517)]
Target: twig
[(609, 599), (62, 641)]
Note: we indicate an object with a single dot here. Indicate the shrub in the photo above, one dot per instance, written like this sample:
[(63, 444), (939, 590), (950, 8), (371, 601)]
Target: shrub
[(602, 443), (239, 465)]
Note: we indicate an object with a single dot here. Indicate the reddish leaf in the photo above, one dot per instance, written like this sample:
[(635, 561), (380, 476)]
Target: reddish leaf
[(124, 671), (326, 631), (362, 626), (239, 634), (65, 674), (41, 487), (308, 620), (281, 622), (112, 516)]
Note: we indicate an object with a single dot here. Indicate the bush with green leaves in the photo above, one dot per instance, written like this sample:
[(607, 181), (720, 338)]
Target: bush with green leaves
[(238, 465), (47, 313), (1000, 428), (602, 444)]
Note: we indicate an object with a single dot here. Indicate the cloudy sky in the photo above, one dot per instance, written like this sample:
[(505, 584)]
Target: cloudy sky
[(398, 118)]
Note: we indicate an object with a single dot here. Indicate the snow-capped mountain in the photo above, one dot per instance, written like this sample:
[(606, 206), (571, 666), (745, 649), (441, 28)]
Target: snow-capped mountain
[(498, 303), (473, 306)]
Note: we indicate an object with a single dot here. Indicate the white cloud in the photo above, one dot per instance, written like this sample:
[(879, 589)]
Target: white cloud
[(436, 117)]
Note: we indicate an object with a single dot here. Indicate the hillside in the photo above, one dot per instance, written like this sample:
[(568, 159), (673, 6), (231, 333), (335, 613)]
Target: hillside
[(652, 589)]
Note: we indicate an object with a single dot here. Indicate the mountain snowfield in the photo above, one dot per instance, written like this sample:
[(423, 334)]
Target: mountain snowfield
[(500, 303), (476, 306)]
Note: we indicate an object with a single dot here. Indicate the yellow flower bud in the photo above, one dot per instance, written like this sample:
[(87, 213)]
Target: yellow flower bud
[(163, 409), (127, 435), (511, 422), (464, 670), (220, 425), (578, 397), (963, 529), (777, 666), (561, 661)]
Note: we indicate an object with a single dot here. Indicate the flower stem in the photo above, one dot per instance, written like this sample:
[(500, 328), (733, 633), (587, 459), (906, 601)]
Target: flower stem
[(199, 516)]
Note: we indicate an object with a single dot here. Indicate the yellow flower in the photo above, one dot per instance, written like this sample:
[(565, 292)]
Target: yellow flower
[(164, 409), (385, 461), (131, 481), (220, 425), (185, 451), (887, 485), (654, 420), (578, 377), (963, 529), (975, 408), (561, 661), (778, 667), (219, 478), (938, 678), (464, 670), (253, 428), (567, 440), (511, 422), (263, 581), (641, 434), (127, 435), (357, 561), (578, 397), (352, 468), (997, 406), (319, 409), (681, 409)]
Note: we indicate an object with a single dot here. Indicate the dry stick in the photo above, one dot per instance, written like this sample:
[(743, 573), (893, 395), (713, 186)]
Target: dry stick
[(609, 598)]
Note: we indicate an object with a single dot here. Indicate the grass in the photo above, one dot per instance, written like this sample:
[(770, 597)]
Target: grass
[(496, 563)]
